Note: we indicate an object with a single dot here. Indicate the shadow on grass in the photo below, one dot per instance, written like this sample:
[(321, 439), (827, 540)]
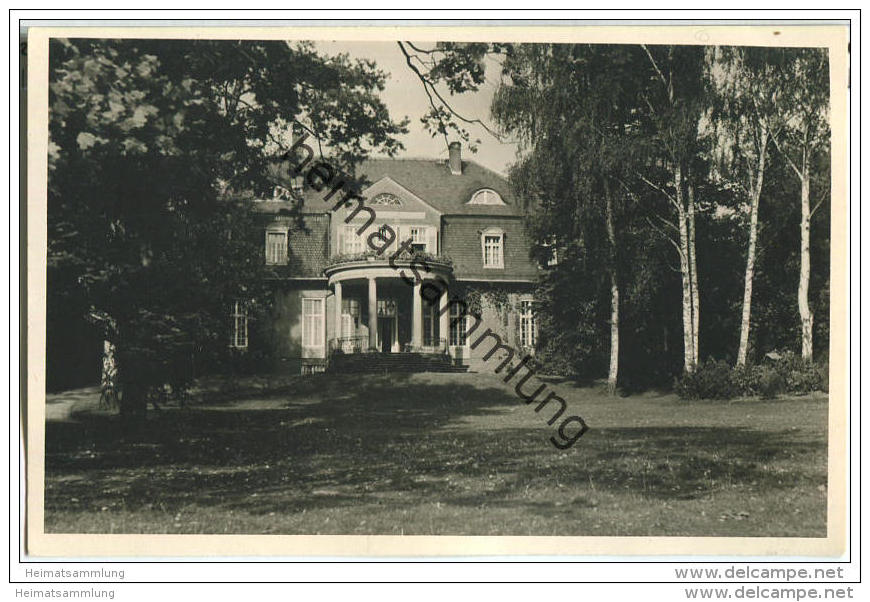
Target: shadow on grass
[(339, 442)]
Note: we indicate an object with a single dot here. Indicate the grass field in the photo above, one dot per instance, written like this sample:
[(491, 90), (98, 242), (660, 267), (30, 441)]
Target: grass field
[(440, 454)]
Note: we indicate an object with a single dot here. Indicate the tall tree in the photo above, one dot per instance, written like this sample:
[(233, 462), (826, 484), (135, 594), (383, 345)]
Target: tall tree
[(749, 83), (151, 144), (573, 107), (805, 133), (674, 99), (616, 116)]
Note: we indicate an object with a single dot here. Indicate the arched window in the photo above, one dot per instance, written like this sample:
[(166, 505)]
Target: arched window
[(486, 196), (386, 199)]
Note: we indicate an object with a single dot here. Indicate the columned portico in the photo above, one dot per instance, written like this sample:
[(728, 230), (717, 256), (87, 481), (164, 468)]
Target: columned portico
[(338, 311), (374, 295), (417, 317), (444, 317), (373, 312)]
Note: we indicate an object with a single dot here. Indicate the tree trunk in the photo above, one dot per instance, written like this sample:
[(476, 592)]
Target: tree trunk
[(133, 404), (804, 282), (614, 296), (688, 338), (131, 386), (107, 376), (693, 277), (750, 254)]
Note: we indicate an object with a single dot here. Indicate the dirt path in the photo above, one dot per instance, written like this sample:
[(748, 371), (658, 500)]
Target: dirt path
[(59, 406)]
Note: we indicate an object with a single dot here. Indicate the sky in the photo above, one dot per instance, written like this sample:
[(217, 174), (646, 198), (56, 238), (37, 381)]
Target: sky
[(404, 97)]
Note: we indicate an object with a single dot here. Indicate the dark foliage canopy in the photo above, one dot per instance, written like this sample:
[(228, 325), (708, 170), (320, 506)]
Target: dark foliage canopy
[(151, 144)]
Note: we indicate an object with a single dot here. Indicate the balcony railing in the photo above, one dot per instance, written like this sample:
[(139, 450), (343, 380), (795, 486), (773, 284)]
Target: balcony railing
[(360, 344), (370, 255), (355, 344), (430, 345)]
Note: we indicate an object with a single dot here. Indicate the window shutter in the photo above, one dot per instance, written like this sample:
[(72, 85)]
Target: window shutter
[(433, 240)]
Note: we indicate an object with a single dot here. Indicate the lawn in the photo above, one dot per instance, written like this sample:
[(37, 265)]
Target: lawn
[(439, 454)]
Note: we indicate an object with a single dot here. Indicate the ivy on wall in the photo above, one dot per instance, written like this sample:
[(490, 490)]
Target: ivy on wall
[(495, 296)]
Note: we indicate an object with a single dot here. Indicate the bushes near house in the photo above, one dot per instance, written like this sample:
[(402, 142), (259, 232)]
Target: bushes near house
[(786, 373), (712, 379)]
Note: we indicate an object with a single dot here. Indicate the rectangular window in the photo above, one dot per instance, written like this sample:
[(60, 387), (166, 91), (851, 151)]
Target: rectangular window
[(386, 308), (312, 323), (351, 308), (420, 239), (276, 248), (239, 315), (430, 324), (528, 325), (353, 242), (387, 232), (554, 257), (347, 328), (458, 325), (550, 246), (492, 251)]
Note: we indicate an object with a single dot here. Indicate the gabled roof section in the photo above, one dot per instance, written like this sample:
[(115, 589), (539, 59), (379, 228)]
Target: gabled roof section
[(432, 182), (428, 180), (387, 185)]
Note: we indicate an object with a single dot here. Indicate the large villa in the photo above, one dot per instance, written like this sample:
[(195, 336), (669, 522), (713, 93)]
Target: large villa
[(459, 234)]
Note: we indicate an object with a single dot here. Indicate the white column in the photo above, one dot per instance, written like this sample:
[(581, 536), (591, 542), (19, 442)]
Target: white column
[(417, 318), (444, 317), (373, 312), (337, 328)]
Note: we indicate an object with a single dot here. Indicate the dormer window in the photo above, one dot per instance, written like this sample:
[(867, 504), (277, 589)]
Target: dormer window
[(492, 246), (486, 196)]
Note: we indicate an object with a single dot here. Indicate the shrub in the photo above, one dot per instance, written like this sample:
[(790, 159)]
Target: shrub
[(746, 380), (712, 379), (800, 376), (823, 367), (786, 373), (768, 382)]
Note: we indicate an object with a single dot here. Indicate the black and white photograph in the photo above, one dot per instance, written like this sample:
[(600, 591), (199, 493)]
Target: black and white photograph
[(442, 286)]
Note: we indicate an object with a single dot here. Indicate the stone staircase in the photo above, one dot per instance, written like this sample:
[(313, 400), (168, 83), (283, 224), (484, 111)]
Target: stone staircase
[(393, 362)]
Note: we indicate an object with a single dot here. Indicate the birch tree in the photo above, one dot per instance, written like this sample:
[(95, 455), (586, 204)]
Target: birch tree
[(805, 132), (573, 106), (748, 83), (674, 102), (613, 372)]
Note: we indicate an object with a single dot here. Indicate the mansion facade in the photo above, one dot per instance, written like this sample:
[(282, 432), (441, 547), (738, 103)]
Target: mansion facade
[(444, 230)]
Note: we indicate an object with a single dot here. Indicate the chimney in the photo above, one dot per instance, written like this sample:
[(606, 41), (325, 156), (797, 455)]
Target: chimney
[(455, 160)]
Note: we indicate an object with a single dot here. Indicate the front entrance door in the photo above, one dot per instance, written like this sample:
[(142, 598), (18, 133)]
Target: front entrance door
[(387, 325), (385, 333)]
